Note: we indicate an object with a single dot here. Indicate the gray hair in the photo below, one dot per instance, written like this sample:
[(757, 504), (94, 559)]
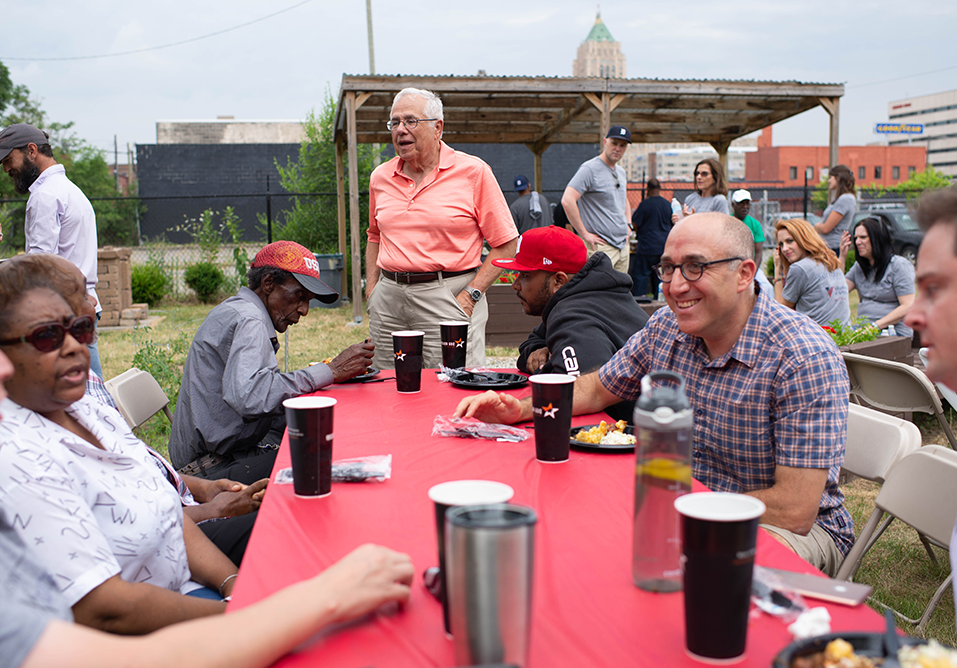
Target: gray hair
[(433, 105)]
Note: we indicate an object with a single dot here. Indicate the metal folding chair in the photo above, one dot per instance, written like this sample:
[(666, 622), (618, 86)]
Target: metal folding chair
[(138, 396), (919, 491), (893, 387)]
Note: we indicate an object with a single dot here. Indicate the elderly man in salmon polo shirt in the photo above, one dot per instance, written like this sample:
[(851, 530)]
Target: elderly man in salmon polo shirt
[(430, 209)]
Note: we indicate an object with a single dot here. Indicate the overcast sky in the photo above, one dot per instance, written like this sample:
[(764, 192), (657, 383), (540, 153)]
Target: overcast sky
[(280, 67)]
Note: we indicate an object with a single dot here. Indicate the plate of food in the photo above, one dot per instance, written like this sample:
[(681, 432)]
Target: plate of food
[(604, 437), (371, 373), (486, 380), (858, 650)]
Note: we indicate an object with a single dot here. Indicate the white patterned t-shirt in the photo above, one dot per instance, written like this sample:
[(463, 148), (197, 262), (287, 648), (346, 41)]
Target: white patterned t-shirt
[(89, 514)]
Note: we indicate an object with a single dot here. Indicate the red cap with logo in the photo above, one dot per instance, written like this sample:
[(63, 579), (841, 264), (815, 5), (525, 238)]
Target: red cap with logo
[(302, 264), (547, 248)]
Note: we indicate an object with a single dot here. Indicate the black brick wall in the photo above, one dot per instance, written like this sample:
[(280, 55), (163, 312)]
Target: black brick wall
[(178, 170)]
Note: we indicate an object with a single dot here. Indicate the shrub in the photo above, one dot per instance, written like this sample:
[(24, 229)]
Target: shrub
[(151, 283), (205, 279)]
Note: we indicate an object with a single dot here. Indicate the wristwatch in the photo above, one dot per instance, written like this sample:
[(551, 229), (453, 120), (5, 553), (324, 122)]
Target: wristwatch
[(474, 293)]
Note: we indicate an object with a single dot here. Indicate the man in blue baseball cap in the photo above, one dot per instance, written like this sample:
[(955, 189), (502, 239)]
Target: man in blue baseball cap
[(596, 200), (531, 209)]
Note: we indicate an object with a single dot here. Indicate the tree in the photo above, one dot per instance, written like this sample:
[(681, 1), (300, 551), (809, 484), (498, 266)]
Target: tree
[(313, 221), (929, 179), (85, 166)]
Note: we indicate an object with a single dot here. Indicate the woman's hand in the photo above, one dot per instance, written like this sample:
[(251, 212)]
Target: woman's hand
[(363, 580)]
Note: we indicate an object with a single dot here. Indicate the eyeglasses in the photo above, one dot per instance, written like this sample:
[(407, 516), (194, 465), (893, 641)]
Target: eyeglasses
[(410, 123), (702, 173), (692, 270), (47, 338)]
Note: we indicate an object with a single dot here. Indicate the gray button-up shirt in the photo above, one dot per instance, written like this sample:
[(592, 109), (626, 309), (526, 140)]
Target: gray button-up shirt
[(232, 390)]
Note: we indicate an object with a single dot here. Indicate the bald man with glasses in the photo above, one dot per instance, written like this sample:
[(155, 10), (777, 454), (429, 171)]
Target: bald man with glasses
[(768, 387), (430, 210)]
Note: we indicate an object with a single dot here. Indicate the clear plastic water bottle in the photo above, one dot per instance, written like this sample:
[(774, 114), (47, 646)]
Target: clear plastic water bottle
[(663, 427), (676, 206)]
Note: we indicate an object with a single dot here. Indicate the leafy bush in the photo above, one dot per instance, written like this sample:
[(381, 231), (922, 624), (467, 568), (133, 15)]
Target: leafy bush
[(205, 279), (151, 282)]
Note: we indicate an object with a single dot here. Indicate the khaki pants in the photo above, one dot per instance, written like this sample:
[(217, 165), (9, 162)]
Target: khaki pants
[(817, 547), (619, 256), (422, 306)]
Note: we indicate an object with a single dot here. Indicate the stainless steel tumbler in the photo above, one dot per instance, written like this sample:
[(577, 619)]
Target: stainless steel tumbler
[(490, 552)]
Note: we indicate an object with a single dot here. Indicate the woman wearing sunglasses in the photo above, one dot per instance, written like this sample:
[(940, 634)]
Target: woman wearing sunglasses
[(710, 191), (806, 274), (37, 633), (79, 488)]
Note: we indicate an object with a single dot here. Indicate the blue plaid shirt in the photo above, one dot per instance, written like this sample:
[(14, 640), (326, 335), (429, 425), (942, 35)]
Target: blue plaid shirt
[(778, 397)]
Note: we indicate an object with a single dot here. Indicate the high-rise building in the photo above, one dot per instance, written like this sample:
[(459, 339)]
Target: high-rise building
[(599, 55), (938, 114)]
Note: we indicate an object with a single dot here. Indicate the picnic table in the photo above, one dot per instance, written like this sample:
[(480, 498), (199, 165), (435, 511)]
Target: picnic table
[(586, 610)]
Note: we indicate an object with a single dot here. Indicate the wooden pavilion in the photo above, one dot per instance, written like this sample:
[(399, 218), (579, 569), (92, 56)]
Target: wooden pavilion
[(539, 111)]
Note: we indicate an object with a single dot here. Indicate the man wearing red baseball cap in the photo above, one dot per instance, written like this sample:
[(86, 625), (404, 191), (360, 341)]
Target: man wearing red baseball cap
[(229, 417), (587, 309)]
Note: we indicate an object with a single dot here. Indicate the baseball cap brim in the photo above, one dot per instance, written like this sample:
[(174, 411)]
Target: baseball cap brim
[(512, 264), (323, 292)]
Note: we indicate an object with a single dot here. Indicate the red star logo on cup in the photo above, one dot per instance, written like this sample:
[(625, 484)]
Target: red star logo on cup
[(549, 411), (400, 356)]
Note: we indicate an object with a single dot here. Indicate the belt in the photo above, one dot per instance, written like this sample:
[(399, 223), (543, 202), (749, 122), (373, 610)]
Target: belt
[(425, 277), (198, 467)]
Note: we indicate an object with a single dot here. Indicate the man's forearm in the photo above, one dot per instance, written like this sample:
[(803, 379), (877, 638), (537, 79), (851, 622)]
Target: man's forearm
[(372, 269), (794, 500), (488, 272)]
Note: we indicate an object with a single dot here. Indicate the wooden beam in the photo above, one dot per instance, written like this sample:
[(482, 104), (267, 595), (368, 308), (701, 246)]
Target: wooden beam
[(361, 98), (354, 206), (721, 146)]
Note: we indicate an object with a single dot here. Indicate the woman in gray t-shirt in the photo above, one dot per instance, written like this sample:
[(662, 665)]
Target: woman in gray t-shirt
[(806, 274), (884, 281), (839, 214), (710, 191)]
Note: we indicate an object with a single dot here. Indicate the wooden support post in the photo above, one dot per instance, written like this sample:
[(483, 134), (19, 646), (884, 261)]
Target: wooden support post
[(354, 206), (832, 106), (341, 198), (538, 170), (722, 148)]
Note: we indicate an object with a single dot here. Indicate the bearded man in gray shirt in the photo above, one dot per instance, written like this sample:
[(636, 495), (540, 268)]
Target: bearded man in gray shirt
[(229, 417)]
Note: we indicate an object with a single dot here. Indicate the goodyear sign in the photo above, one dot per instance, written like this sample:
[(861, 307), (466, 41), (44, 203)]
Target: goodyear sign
[(899, 128)]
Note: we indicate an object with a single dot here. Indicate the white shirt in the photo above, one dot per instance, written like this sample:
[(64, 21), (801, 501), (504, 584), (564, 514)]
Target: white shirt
[(60, 220), (88, 514)]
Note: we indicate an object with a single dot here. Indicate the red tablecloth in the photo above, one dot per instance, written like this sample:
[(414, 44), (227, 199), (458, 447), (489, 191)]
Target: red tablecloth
[(586, 610)]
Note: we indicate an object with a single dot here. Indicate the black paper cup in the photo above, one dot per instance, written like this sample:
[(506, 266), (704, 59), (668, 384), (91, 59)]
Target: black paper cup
[(407, 346), (552, 414), (719, 532), (446, 495), (309, 425), (455, 338)]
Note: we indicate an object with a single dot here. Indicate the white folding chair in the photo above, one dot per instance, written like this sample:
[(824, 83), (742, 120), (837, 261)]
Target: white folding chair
[(876, 441), (893, 387), (138, 396), (919, 491)]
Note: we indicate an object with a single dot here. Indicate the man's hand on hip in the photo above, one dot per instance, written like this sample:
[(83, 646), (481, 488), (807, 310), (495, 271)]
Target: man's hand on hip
[(592, 240)]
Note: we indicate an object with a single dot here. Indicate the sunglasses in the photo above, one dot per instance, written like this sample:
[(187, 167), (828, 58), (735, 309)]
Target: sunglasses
[(47, 338)]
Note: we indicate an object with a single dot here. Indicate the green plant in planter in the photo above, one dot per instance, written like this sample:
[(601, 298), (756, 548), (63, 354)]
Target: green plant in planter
[(857, 332), (507, 277), (205, 279)]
